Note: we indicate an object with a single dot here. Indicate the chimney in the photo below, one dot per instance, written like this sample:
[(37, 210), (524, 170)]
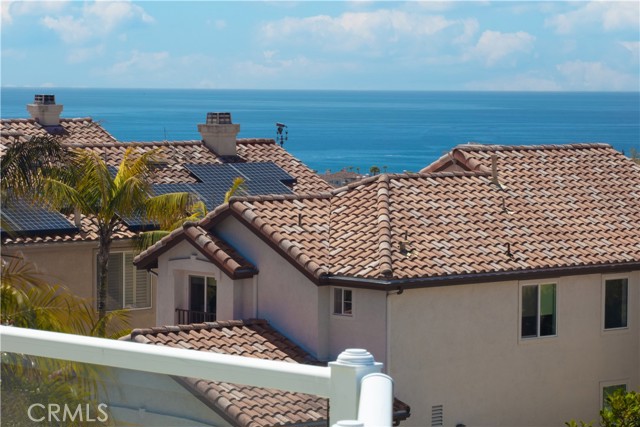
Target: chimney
[(219, 134), (45, 111)]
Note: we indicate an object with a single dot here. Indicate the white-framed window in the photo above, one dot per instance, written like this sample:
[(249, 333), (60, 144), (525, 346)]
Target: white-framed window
[(343, 302), (607, 389), (616, 300), (127, 287), (538, 316)]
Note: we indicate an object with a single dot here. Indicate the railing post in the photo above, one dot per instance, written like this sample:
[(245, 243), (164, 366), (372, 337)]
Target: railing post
[(346, 373)]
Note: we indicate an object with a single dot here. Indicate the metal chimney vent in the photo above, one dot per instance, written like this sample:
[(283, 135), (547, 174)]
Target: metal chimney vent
[(218, 118), (45, 100)]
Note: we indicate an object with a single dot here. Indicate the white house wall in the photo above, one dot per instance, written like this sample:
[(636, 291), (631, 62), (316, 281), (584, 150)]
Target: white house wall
[(365, 329), (460, 347)]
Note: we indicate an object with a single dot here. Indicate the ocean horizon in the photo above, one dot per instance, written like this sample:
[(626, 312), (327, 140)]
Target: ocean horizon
[(335, 129)]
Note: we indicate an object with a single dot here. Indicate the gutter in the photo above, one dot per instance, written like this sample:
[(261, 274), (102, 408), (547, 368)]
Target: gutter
[(467, 279)]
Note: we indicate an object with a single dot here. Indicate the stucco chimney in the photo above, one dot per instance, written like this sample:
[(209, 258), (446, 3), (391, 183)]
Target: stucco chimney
[(45, 111), (219, 134)]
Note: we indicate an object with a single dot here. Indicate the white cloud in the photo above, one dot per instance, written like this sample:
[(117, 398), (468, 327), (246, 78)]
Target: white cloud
[(610, 15), (29, 7), (99, 18), (141, 61), (470, 28), (353, 30), (493, 46), (581, 75), (633, 47)]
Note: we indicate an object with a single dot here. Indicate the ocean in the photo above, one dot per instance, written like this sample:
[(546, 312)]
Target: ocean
[(396, 131)]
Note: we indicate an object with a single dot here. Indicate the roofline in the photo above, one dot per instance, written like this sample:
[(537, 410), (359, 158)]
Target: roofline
[(468, 279)]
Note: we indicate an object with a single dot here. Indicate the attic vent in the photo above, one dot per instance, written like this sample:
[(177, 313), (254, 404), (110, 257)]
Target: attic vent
[(44, 99), (218, 118), (437, 416)]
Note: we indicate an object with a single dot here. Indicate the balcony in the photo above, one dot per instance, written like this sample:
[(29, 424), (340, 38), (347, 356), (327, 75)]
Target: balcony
[(356, 389), (185, 317)]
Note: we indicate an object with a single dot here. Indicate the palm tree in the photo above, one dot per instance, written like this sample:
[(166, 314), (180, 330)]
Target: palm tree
[(107, 199), (29, 301), (374, 170), (81, 181)]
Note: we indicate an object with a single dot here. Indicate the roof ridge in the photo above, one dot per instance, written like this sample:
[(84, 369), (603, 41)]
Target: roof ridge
[(497, 147), (277, 197), (247, 141), (384, 226), (218, 324)]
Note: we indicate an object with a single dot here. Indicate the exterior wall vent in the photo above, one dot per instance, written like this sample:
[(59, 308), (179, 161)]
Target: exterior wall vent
[(437, 416)]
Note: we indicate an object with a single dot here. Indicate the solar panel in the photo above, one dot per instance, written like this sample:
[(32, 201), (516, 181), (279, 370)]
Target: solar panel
[(24, 219), (216, 179)]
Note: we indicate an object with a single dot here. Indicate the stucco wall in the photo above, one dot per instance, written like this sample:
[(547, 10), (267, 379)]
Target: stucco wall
[(287, 298), (74, 266), (365, 329), (459, 347)]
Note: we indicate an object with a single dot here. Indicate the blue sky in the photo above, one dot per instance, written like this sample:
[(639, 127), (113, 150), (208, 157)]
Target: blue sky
[(362, 45)]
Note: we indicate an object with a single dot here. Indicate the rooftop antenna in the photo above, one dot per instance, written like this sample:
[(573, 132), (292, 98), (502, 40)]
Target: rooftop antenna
[(282, 133)]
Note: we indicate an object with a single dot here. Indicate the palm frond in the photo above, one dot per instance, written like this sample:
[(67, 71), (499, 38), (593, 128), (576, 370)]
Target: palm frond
[(238, 186)]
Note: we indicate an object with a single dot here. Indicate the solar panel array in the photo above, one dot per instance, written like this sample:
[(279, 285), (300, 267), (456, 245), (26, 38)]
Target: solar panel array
[(25, 219), (261, 178), (215, 180)]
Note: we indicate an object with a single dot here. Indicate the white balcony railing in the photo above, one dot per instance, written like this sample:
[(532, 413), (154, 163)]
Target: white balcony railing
[(356, 389)]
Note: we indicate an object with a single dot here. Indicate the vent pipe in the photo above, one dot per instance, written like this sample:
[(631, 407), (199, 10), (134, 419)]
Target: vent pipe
[(494, 169), (45, 111), (219, 134)]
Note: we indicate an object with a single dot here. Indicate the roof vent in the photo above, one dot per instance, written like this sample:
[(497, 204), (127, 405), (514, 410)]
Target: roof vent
[(218, 118), (219, 134), (45, 110), (45, 100)]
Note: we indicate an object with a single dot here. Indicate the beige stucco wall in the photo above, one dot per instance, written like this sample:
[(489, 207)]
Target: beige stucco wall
[(74, 265), (365, 329), (286, 297), (459, 347)]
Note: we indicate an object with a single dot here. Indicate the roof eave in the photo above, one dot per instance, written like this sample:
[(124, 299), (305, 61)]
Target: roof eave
[(467, 279)]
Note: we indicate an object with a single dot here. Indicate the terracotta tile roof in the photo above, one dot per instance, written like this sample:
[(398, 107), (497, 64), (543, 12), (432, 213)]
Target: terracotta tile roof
[(78, 130), (247, 406), (556, 207), (86, 134)]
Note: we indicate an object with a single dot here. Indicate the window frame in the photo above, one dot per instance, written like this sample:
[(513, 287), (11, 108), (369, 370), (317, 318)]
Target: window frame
[(341, 314), (606, 279), (539, 284), (206, 292), (607, 384), (123, 306)]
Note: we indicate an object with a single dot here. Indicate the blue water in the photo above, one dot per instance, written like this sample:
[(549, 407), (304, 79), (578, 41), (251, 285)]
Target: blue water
[(335, 129)]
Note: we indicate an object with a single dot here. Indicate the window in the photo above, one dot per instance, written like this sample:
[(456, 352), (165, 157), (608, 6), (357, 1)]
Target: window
[(538, 311), (127, 287), (202, 299), (609, 390), (615, 303), (343, 302)]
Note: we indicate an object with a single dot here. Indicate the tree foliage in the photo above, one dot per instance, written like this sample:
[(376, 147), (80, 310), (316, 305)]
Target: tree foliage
[(622, 409)]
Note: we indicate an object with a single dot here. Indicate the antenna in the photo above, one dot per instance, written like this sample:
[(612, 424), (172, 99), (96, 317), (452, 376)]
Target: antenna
[(282, 133)]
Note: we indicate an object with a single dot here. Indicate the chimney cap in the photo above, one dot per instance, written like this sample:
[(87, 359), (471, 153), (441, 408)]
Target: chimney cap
[(218, 118), (44, 99)]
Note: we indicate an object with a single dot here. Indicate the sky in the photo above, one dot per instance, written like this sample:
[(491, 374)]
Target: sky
[(352, 45)]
